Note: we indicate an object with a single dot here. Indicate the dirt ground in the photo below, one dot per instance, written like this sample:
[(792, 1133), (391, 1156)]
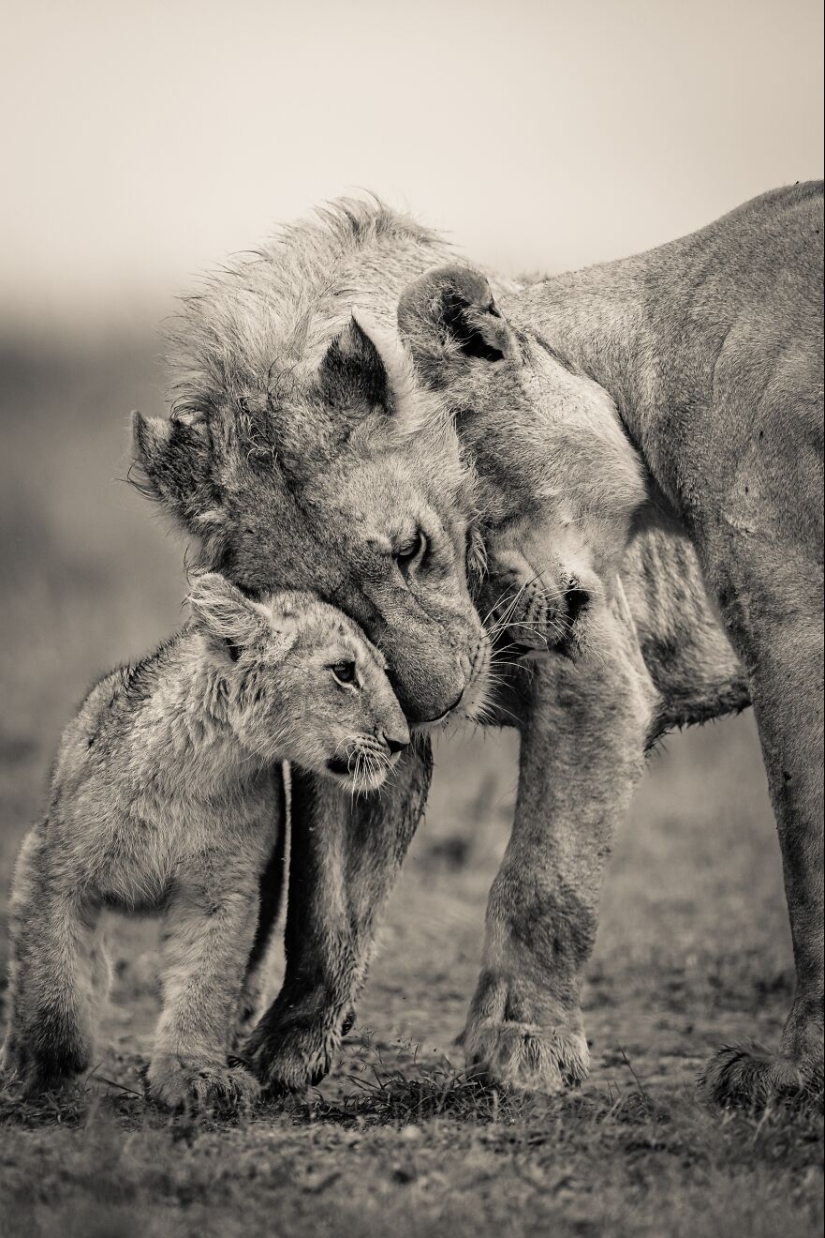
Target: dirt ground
[(693, 948)]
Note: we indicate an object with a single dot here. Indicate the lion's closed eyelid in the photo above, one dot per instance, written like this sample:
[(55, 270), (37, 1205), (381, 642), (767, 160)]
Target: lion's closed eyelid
[(402, 535), (414, 548)]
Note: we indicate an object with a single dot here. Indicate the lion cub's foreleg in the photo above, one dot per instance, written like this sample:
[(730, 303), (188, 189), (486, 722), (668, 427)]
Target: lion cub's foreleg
[(57, 972), (209, 929)]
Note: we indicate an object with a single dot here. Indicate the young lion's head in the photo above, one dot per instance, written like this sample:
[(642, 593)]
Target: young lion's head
[(301, 683), (302, 455)]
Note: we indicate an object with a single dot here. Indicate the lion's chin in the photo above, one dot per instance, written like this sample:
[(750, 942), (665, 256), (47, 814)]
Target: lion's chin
[(354, 780), (469, 709)]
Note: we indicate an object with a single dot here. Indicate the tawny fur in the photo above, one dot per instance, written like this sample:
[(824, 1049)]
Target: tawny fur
[(301, 450), (291, 458), (165, 798), (708, 354)]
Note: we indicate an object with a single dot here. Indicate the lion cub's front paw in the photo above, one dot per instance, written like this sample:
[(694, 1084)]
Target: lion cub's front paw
[(201, 1085), (526, 1056)]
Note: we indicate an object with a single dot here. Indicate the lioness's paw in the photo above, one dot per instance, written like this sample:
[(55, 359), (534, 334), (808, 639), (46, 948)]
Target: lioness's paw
[(749, 1076), (198, 1085), (526, 1055)]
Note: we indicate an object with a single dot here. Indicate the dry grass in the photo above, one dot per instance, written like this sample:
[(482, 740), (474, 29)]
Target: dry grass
[(693, 949)]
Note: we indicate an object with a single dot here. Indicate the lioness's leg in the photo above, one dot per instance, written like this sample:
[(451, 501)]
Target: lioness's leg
[(788, 701), (345, 856), (54, 964), (209, 929), (583, 743), (257, 988)]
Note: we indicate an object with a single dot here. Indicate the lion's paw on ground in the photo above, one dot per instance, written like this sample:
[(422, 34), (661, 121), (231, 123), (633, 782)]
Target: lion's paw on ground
[(527, 1056), (289, 1062), (195, 1085), (750, 1076)]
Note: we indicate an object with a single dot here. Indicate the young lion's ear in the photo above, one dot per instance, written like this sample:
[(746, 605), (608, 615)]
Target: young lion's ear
[(174, 459), (221, 610), (364, 370), (449, 317)]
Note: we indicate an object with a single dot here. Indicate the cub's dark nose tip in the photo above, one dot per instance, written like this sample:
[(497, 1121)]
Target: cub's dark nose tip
[(395, 745)]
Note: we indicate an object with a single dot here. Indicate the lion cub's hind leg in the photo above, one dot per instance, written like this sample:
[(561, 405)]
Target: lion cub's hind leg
[(210, 926), (56, 972)]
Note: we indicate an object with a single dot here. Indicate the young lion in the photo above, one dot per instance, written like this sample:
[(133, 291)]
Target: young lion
[(164, 799)]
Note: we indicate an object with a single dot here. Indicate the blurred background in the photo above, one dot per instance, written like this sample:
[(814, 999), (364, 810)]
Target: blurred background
[(143, 143)]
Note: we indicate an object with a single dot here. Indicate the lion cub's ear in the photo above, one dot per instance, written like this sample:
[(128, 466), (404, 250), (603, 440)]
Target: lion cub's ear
[(221, 611), (449, 319)]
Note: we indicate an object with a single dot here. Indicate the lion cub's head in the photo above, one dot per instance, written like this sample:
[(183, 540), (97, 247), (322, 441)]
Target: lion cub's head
[(301, 683)]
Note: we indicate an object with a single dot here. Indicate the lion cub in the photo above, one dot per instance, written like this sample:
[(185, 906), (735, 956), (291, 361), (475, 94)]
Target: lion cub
[(164, 799)]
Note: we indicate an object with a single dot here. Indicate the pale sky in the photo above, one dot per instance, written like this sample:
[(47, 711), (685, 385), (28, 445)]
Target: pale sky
[(144, 141)]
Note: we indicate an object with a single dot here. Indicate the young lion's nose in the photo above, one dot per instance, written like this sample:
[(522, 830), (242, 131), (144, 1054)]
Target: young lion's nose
[(395, 743)]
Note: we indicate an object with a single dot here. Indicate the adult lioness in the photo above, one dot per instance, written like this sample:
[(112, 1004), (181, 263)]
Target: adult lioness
[(711, 348), (287, 458)]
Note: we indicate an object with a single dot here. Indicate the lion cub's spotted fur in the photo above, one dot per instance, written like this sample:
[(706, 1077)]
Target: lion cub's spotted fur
[(164, 798)]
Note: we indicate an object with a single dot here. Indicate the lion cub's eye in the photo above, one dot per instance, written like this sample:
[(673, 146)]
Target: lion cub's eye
[(412, 553), (344, 673)]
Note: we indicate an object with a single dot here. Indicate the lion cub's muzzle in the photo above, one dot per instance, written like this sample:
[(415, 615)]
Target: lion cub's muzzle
[(366, 760)]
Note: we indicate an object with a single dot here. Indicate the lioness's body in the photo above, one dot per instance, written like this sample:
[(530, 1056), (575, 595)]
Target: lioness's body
[(166, 797), (712, 348), (709, 352)]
